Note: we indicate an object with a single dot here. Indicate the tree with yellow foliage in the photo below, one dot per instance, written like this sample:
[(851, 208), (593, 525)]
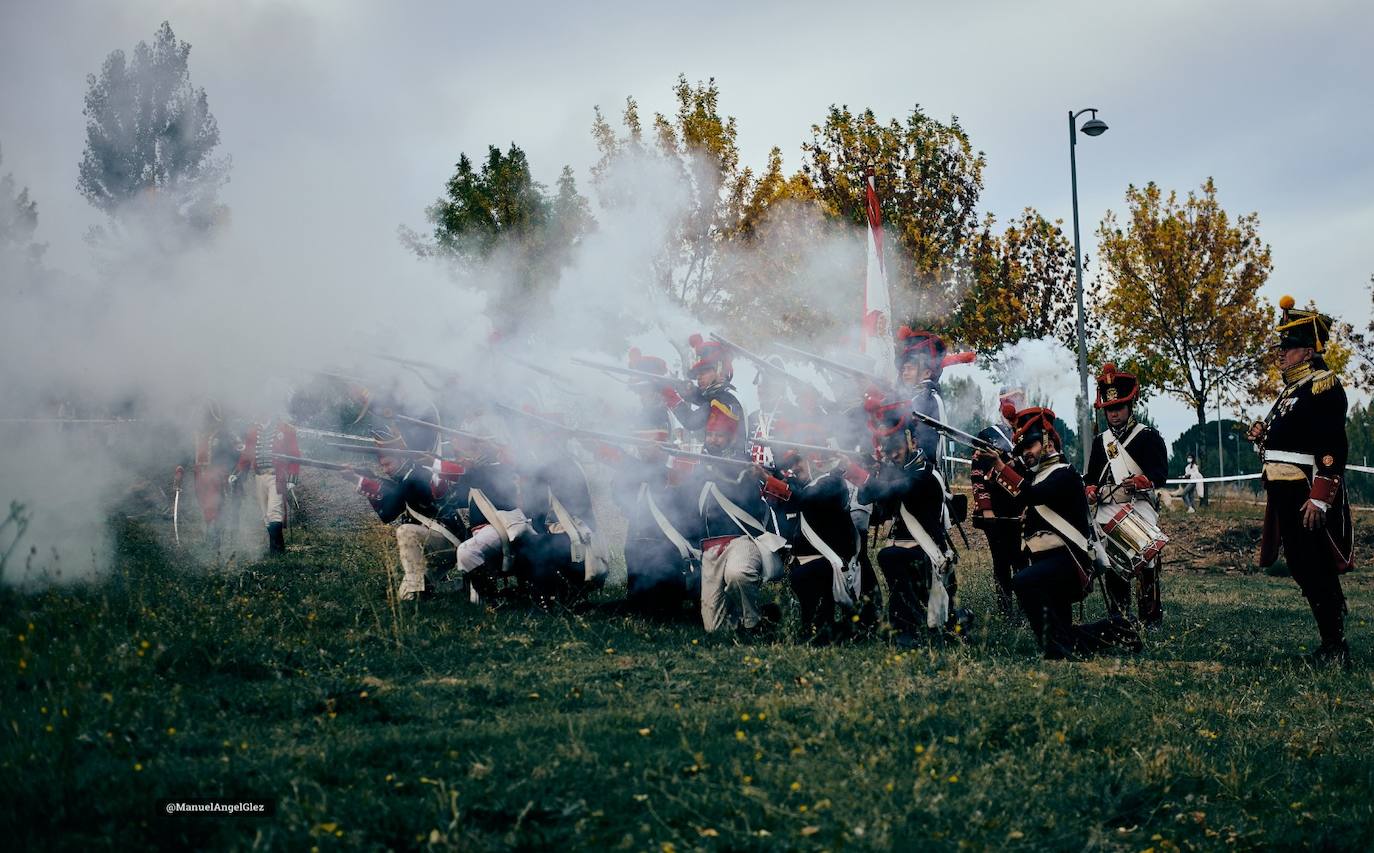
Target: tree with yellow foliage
[(1179, 291)]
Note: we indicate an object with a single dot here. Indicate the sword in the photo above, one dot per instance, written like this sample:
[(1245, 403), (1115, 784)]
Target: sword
[(176, 505)]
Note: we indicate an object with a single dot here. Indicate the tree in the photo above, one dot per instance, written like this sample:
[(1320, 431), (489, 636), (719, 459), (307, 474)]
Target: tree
[(928, 180), (723, 202), (149, 131), (1361, 345), (500, 213), (18, 222), (1179, 291), (1021, 286)]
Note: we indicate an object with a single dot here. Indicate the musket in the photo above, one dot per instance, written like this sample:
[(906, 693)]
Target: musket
[(324, 433), (68, 420), (415, 362), (472, 436), (635, 441), (765, 364), (610, 437), (628, 371), (959, 435), (812, 448), (835, 366), (389, 451), (529, 365), (320, 463)]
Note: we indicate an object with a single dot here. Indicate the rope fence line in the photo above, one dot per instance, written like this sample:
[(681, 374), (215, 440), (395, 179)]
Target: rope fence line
[(1362, 469)]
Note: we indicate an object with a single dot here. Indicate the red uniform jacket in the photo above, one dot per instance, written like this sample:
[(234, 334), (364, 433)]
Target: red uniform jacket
[(283, 441)]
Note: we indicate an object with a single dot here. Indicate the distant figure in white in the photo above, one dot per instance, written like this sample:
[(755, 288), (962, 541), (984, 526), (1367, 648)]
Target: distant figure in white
[(1195, 488)]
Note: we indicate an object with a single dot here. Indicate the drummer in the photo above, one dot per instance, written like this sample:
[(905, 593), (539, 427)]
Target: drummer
[(1128, 463)]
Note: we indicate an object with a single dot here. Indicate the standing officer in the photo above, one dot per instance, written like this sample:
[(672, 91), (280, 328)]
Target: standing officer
[(1305, 447)]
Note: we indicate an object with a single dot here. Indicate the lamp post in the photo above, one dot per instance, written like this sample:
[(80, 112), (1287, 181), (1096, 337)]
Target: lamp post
[(1092, 127)]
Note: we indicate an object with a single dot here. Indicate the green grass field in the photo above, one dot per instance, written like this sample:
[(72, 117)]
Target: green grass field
[(373, 725)]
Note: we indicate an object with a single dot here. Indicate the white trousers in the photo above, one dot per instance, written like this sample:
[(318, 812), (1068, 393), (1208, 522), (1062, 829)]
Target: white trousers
[(419, 546), (731, 577), (269, 499), (485, 543)]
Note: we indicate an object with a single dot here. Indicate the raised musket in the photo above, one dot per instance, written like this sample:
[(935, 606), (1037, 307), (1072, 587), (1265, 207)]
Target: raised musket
[(629, 371), (959, 435), (461, 433), (828, 364), (320, 463), (812, 448), (629, 440), (767, 365), (377, 450)]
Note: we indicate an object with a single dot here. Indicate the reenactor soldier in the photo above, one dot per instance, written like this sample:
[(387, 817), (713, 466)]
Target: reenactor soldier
[(1305, 447), (215, 459), (712, 373), (271, 481), (428, 531), (562, 554), (918, 559), (662, 565), (775, 416), (1057, 536), (738, 553), (994, 511), (825, 573), (1127, 464), (920, 364)]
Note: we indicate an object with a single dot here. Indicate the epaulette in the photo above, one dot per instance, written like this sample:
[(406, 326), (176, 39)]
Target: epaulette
[(1325, 380)]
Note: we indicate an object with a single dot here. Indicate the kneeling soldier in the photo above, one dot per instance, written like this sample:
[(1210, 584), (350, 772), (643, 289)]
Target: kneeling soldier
[(1057, 536)]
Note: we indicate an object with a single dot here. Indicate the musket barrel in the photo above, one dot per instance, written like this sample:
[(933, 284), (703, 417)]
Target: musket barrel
[(313, 463), (957, 434), (827, 363), (441, 428), (625, 371), (378, 450)]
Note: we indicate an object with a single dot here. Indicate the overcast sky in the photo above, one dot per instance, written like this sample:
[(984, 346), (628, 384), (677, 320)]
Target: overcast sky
[(361, 109)]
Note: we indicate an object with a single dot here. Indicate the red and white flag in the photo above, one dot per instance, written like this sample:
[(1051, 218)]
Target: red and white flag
[(876, 340)]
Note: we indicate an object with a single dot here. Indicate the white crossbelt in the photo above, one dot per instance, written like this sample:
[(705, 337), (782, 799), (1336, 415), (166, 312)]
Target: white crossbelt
[(1289, 457)]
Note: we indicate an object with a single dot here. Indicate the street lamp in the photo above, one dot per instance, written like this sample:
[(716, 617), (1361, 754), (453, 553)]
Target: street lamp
[(1092, 127)]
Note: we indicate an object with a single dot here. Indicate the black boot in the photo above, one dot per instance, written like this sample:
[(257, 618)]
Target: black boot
[(276, 539), (1330, 616)]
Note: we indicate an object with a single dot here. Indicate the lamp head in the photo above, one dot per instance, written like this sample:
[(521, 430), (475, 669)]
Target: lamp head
[(1094, 126)]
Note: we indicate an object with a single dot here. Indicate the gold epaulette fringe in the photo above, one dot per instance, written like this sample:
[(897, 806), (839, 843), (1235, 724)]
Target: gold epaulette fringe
[(1324, 381)]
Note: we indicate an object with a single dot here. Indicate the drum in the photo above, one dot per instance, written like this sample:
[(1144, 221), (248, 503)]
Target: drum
[(1133, 540)]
